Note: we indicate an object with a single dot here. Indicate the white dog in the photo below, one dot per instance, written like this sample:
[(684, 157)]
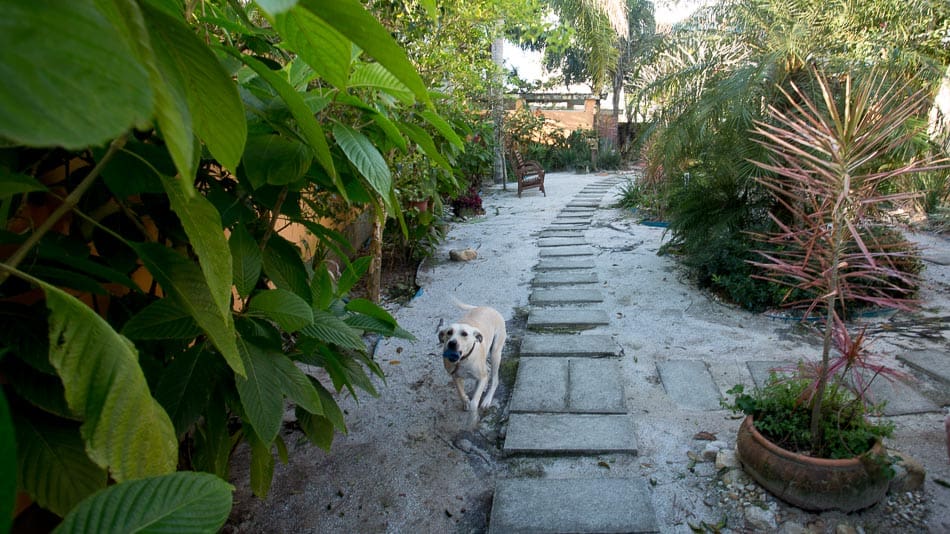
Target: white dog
[(466, 346)]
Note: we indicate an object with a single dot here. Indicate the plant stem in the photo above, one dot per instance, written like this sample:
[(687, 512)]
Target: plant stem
[(275, 214), (70, 202)]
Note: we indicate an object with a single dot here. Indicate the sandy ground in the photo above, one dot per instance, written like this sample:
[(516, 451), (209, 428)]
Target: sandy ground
[(410, 463)]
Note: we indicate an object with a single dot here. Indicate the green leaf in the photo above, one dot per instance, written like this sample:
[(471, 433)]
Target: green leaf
[(182, 280), (371, 324), (364, 155), (311, 129), (262, 465), (425, 142), (316, 43), (125, 429), (321, 288), (371, 309), (283, 307), (137, 169), (375, 76), (275, 160), (246, 258), (213, 441), (352, 274), (186, 385), (283, 265), (202, 223), (178, 502), (331, 410), (296, 385), (215, 107), (317, 428), (329, 328), (358, 25), (8, 464), (261, 393), (162, 319), (51, 464), (70, 77), (443, 127), (391, 130), (273, 7), (14, 183)]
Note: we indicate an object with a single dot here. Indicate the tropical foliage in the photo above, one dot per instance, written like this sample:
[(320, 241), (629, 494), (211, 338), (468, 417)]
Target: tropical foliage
[(163, 170)]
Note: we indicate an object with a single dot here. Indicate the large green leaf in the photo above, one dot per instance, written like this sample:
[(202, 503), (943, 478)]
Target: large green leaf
[(375, 76), (364, 155), (261, 394), (186, 385), (262, 464), (216, 110), (317, 428), (179, 502), (443, 127), (162, 319), (183, 281), (8, 464), (125, 429), (311, 129), (275, 160), (352, 274), (202, 223), (296, 385), (246, 258), (283, 265), (283, 307), (425, 142), (329, 328), (51, 464), (273, 7), (14, 183), (358, 25), (371, 324), (213, 440), (316, 43), (69, 77)]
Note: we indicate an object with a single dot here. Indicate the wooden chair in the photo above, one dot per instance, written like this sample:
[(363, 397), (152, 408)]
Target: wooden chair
[(529, 173)]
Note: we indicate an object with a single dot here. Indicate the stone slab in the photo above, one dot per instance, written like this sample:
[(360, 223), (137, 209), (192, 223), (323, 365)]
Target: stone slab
[(553, 505), (689, 384), (561, 232), (936, 257), (564, 278), (573, 217), (577, 224), (565, 295), (546, 242), (575, 210), (578, 250), (568, 385), (558, 264), (583, 204), (570, 434), (541, 385), (900, 398), (935, 364), (566, 319), (595, 386), (586, 345)]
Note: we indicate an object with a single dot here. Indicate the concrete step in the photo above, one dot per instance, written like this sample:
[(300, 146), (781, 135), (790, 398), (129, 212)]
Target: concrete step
[(558, 264), (582, 505), (562, 232), (564, 278), (577, 250), (556, 433), (689, 384), (560, 345), (568, 385), (546, 242), (571, 319), (564, 296)]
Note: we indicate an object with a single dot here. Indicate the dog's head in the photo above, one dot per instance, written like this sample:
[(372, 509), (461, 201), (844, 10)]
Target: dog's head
[(458, 339)]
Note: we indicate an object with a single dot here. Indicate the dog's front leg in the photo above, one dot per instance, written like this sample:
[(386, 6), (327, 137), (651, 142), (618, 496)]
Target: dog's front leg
[(460, 387), (479, 389)]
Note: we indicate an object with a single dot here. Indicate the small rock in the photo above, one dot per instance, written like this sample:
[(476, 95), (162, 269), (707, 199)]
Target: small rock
[(844, 528), (909, 474), (734, 476), (760, 519), (465, 254), (726, 458), (712, 450), (791, 527)]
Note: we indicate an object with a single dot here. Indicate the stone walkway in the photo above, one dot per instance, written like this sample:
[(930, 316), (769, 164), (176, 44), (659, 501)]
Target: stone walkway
[(568, 398)]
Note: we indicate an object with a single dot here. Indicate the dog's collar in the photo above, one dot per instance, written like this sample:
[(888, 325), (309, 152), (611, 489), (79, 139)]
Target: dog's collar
[(459, 362)]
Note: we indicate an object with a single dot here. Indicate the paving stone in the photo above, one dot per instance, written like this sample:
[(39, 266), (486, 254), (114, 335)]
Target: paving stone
[(900, 398), (561, 232), (935, 364), (557, 264), (570, 434), (583, 204), (576, 224), (936, 257), (573, 217), (566, 318), (560, 345), (579, 250), (565, 295), (552, 505), (578, 210), (561, 241), (595, 386), (568, 277), (541, 385), (689, 384)]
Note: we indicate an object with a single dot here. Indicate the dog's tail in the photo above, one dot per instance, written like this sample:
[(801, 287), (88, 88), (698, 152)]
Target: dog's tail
[(462, 305)]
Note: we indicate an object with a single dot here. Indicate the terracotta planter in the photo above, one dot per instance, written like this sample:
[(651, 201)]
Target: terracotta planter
[(420, 205), (815, 484)]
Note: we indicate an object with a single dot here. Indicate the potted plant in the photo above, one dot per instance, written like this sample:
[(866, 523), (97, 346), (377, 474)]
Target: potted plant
[(830, 157)]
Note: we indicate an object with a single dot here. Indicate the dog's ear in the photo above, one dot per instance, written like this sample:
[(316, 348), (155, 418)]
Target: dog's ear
[(441, 336), (478, 335)]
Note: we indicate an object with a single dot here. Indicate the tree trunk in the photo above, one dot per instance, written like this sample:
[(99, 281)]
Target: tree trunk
[(939, 128), (498, 109), (376, 252)]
